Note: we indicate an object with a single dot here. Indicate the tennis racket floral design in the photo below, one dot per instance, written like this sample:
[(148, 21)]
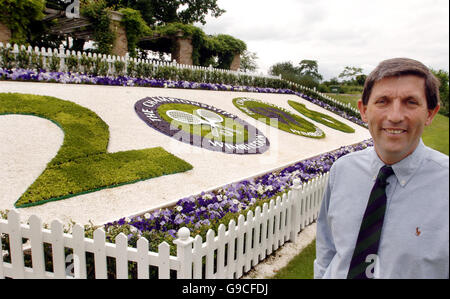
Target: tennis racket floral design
[(201, 125)]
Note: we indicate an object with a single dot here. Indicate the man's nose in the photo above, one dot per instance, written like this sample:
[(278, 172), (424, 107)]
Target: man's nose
[(396, 113)]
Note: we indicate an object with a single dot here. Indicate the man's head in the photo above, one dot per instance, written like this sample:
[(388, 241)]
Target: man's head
[(396, 67), (400, 98)]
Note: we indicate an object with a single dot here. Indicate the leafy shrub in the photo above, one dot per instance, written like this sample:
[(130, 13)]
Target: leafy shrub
[(87, 63), (37, 61), (54, 63), (7, 58), (72, 63), (23, 59), (165, 72), (119, 68), (131, 69), (101, 67)]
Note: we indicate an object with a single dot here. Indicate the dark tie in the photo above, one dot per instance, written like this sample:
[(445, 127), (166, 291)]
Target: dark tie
[(371, 225)]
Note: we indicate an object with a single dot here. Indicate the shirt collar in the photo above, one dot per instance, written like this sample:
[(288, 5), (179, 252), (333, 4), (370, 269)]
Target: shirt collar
[(404, 169)]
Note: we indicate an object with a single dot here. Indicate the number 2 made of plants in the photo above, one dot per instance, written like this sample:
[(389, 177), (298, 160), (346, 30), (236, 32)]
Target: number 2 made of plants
[(82, 164)]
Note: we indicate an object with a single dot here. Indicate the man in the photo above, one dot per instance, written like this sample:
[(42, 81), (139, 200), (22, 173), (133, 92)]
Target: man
[(385, 211)]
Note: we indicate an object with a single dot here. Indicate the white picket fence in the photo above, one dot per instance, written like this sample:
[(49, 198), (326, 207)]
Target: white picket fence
[(230, 254), (46, 53)]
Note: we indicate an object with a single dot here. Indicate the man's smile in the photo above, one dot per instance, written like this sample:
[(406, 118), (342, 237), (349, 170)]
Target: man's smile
[(393, 131)]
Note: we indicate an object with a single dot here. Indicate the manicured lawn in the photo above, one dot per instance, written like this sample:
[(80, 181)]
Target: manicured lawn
[(437, 134), (346, 98), (300, 266)]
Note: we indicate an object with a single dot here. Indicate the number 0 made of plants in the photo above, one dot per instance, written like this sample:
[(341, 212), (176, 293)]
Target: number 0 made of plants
[(284, 120), (321, 118), (82, 164)]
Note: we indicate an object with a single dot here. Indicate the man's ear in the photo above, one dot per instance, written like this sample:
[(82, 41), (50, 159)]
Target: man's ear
[(362, 110), (431, 114)]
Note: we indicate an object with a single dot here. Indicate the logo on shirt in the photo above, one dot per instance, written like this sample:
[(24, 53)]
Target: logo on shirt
[(418, 232)]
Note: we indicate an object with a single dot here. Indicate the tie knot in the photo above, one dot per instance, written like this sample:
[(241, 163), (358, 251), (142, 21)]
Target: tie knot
[(385, 172)]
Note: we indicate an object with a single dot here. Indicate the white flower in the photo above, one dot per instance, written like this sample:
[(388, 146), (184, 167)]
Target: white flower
[(134, 230), (235, 201), (147, 215), (179, 208), (260, 189)]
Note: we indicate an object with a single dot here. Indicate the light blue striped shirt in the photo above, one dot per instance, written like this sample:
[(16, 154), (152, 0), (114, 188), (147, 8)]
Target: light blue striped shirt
[(415, 236)]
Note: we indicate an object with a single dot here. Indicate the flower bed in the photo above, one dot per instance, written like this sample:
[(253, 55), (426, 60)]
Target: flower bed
[(208, 210), (77, 78)]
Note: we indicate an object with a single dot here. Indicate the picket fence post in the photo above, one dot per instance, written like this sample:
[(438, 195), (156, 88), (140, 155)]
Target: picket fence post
[(184, 253), (296, 209), (15, 243)]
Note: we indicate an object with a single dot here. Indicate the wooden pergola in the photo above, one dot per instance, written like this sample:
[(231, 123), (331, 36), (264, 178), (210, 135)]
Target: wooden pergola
[(81, 28), (76, 27)]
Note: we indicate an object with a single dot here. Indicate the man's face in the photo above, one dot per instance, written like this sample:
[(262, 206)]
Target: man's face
[(396, 114)]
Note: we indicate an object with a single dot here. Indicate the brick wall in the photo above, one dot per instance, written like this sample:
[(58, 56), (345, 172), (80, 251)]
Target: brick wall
[(5, 34)]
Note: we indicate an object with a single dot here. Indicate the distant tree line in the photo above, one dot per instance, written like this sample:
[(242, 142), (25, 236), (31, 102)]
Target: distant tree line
[(350, 80)]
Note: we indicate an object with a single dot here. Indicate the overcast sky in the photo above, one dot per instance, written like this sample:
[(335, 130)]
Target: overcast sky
[(337, 33)]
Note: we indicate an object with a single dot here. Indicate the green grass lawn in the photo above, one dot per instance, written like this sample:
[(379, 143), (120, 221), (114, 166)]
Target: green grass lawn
[(346, 98), (437, 134), (300, 266)]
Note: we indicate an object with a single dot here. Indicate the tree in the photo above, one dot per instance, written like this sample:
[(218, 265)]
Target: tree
[(156, 12), (248, 61), (18, 15), (305, 74), (286, 69), (360, 79), (351, 72), (443, 77), (310, 68)]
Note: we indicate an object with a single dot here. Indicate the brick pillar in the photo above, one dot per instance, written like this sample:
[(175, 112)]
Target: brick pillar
[(236, 63), (5, 33), (183, 51), (120, 47)]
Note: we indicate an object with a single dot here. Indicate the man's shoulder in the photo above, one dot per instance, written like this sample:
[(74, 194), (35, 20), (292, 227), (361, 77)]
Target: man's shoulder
[(437, 159), (354, 158)]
